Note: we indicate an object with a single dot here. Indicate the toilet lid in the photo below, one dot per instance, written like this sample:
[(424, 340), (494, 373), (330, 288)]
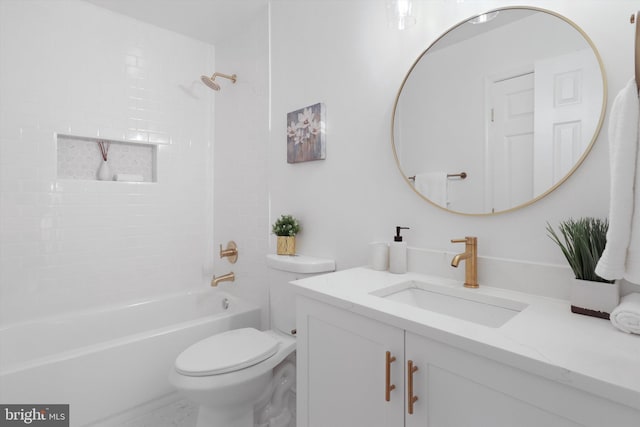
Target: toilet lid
[(226, 352)]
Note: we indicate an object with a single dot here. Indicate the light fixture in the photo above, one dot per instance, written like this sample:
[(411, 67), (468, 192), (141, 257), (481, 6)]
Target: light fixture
[(485, 17), (400, 14)]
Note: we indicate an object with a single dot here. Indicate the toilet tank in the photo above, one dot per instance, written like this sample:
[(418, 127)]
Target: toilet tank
[(282, 270)]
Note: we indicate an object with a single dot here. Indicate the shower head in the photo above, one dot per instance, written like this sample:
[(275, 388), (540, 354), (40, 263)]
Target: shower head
[(210, 81)]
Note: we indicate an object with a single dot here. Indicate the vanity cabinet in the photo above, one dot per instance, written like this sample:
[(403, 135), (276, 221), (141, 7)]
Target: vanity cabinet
[(343, 381), (341, 365)]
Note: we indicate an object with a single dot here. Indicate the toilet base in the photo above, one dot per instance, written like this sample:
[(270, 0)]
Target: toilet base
[(240, 416), (229, 399)]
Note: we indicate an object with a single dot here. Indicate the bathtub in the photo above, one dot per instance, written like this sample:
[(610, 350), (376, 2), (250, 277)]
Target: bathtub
[(105, 361)]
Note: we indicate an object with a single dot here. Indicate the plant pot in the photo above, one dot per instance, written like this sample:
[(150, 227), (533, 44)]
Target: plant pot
[(286, 245), (595, 299)]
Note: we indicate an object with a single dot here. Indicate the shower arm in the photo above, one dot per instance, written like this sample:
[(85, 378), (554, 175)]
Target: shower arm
[(231, 77)]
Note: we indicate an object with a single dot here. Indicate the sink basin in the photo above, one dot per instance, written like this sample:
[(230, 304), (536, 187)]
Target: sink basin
[(465, 304)]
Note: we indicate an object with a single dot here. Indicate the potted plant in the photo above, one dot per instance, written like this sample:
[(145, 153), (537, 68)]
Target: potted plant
[(286, 228), (582, 242)]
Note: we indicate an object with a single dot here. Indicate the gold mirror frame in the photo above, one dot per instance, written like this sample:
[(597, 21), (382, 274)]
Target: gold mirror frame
[(578, 162)]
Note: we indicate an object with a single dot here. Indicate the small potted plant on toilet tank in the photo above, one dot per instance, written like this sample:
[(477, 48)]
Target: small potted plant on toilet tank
[(286, 227), (582, 242)]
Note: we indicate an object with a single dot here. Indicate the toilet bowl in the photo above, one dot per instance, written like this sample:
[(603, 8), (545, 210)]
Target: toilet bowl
[(229, 373)]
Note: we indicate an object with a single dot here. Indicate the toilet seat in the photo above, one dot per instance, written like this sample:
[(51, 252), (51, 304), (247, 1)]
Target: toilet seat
[(226, 352)]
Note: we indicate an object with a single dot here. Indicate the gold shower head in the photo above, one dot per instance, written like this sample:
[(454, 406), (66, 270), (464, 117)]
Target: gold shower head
[(210, 81)]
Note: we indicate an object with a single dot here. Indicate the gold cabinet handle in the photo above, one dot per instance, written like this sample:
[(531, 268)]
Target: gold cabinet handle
[(411, 369), (388, 386)]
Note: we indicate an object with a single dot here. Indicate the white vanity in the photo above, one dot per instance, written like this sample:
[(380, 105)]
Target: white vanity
[(486, 357)]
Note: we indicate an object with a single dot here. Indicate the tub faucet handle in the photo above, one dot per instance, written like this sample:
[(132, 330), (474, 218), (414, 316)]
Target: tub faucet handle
[(231, 252), (229, 277)]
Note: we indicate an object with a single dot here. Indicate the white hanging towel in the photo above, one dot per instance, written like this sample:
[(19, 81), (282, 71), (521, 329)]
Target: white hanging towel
[(621, 257), (433, 185)]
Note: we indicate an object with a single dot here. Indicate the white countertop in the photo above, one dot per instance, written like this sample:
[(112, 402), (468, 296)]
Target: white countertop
[(545, 339)]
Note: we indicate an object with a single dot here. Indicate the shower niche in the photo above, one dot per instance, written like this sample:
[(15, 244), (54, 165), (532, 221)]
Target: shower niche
[(82, 158)]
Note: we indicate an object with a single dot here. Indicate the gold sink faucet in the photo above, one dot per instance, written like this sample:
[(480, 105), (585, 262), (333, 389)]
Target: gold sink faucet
[(229, 277), (470, 255)]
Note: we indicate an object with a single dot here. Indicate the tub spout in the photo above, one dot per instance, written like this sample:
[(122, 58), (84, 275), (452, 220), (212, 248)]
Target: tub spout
[(229, 277)]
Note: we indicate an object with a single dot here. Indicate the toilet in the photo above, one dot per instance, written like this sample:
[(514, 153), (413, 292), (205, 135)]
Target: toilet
[(235, 373)]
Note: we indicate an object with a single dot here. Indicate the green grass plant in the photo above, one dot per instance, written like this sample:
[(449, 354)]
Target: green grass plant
[(582, 242)]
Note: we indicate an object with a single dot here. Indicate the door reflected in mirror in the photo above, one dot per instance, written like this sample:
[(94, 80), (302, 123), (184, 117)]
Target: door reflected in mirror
[(515, 100)]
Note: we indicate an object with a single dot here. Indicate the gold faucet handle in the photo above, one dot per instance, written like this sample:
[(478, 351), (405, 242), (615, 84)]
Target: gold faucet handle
[(467, 240), (231, 252)]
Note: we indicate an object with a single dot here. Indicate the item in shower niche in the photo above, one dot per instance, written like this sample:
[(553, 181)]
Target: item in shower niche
[(306, 134), (128, 177), (104, 171), (286, 227)]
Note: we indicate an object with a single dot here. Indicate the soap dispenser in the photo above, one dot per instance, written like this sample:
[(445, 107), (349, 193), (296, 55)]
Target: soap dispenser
[(398, 253)]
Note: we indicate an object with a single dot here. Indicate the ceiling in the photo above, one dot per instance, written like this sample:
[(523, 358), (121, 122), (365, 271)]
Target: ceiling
[(210, 21)]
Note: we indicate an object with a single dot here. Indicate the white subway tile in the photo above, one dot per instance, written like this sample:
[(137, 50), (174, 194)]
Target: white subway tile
[(69, 244)]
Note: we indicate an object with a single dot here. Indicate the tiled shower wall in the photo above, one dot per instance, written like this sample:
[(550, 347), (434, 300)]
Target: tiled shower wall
[(241, 147), (69, 67)]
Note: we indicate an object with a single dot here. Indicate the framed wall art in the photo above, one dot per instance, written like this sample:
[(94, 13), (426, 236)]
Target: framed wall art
[(306, 134)]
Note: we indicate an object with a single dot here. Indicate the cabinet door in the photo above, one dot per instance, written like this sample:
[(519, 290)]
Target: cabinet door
[(459, 389), (342, 363)]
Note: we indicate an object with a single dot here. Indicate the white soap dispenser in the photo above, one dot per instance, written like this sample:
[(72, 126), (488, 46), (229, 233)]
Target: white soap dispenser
[(398, 253)]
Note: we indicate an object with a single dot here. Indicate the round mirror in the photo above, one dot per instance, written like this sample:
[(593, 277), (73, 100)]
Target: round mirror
[(499, 111)]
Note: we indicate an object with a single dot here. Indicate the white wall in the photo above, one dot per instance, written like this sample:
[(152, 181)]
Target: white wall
[(343, 54), (241, 144), (68, 66), (72, 67)]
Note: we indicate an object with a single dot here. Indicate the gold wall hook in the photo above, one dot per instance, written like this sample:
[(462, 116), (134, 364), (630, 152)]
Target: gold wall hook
[(231, 252), (229, 277)]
